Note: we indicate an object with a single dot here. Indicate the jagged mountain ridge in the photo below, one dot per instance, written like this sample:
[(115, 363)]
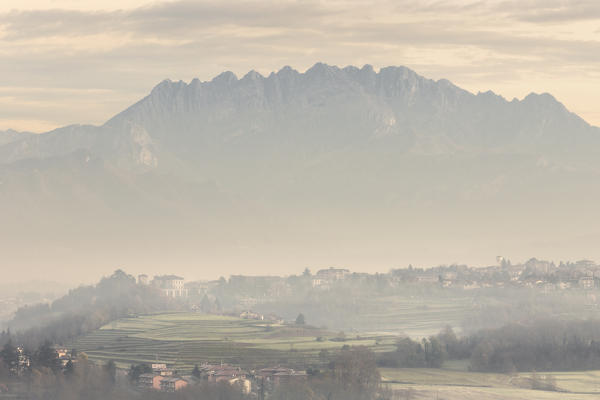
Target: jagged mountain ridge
[(342, 166), (324, 108)]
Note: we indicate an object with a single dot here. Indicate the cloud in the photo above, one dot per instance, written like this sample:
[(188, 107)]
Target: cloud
[(487, 44), (161, 19), (302, 25), (550, 11), (292, 24), (534, 11)]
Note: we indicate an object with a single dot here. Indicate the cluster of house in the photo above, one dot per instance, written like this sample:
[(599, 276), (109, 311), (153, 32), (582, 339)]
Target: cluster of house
[(547, 275), (22, 362), (583, 274), (165, 379), (64, 356), (252, 290)]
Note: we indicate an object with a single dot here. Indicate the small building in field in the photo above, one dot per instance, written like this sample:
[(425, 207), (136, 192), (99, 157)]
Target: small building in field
[(252, 315), (62, 351), (225, 374), (150, 381), (64, 355), (244, 384), (279, 375), (165, 372), (221, 373), (162, 370), (172, 384)]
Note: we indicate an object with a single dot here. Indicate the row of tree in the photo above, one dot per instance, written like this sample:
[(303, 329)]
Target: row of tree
[(428, 353), (542, 345)]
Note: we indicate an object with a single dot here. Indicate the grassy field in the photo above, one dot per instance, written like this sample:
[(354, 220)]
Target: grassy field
[(185, 339), (415, 316), (449, 384)]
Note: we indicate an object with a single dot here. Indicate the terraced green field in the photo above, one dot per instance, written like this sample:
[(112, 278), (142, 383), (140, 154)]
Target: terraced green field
[(463, 385), (413, 316), (185, 339)]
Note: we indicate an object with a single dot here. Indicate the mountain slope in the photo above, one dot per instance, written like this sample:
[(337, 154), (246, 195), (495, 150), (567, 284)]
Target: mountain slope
[(332, 165), (10, 136)]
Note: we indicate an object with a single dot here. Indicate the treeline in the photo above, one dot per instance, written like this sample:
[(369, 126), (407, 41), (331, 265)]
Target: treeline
[(542, 345), (83, 380), (44, 376), (351, 375), (428, 353), (47, 378), (85, 309)]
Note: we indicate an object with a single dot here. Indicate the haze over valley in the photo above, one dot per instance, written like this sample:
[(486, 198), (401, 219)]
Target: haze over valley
[(326, 200), (332, 166)]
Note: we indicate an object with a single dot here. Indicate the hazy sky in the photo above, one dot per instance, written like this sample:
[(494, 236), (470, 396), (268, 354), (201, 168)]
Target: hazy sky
[(73, 61)]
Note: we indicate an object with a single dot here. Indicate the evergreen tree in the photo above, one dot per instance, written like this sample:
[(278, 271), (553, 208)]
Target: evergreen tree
[(437, 354), (136, 370), (133, 373), (196, 371), (47, 357), (205, 304), (111, 371), (300, 320)]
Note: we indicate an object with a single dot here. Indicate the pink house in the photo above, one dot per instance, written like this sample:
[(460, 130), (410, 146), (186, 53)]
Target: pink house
[(172, 384), (150, 381)]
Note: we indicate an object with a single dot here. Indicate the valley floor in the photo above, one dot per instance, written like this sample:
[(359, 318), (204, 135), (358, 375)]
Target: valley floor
[(452, 384), (185, 339)]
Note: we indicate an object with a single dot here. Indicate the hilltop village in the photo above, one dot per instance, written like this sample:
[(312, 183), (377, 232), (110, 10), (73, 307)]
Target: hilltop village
[(242, 293), (534, 273)]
